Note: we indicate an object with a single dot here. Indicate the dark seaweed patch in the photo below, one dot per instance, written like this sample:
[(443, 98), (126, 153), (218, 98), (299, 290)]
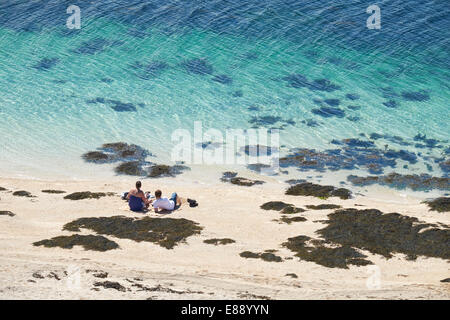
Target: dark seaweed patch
[(386, 234), (390, 104), (223, 79), (46, 64), (131, 168), (7, 213), (240, 181), (258, 150), (353, 153), (198, 66), (166, 232), (238, 93), (441, 204), (292, 275), (283, 207), (216, 241), (3, 189), (116, 151), (289, 220), (415, 96), (262, 121), (332, 257), (399, 181), (161, 170), (332, 102), (120, 106), (149, 70), (316, 190), (328, 112), (323, 206), (323, 85), (266, 256), (352, 107), (352, 96), (23, 193), (232, 177), (94, 46), (110, 285), (86, 195), (53, 191), (445, 280), (88, 242)]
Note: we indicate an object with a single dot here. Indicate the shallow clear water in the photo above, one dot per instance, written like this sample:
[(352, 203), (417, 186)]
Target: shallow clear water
[(48, 120)]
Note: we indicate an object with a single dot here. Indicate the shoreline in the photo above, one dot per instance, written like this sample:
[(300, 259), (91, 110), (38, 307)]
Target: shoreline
[(224, 211)]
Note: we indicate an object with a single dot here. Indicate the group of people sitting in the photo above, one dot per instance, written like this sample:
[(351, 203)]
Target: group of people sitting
[(140, 201)]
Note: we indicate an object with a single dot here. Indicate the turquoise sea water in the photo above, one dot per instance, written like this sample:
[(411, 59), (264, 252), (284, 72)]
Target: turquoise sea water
[(136, 53)]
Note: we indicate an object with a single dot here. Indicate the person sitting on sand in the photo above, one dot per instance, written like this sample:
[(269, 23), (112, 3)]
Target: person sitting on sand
[(137, 199), (166, 204)]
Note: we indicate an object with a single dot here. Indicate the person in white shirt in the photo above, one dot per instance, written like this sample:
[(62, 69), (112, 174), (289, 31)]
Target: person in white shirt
[(164, 203)]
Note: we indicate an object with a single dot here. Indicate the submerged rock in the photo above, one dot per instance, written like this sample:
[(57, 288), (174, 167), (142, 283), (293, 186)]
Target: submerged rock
[(88, 242), (316, 190), (441, 204), (166, 232)]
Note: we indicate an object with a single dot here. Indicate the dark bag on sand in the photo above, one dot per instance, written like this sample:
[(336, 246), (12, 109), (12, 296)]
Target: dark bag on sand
[(192, 203)]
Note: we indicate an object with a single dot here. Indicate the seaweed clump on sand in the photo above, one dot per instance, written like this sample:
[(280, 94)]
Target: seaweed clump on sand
[(289, 220), (232, 178), (23, 193), (53, 191), (266, 256), (400, 181), (131, 168), (88, 242), (87, 195), (316, 190), (281, 206), (219, 241), (386, 233), (7, 213), (110, 285), (322, 253), (3, 189), (441, 204), (166, 232), (162, 170), (323, 206)]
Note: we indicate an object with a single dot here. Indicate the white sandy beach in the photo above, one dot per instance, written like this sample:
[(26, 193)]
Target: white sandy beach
[(196, 270)]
